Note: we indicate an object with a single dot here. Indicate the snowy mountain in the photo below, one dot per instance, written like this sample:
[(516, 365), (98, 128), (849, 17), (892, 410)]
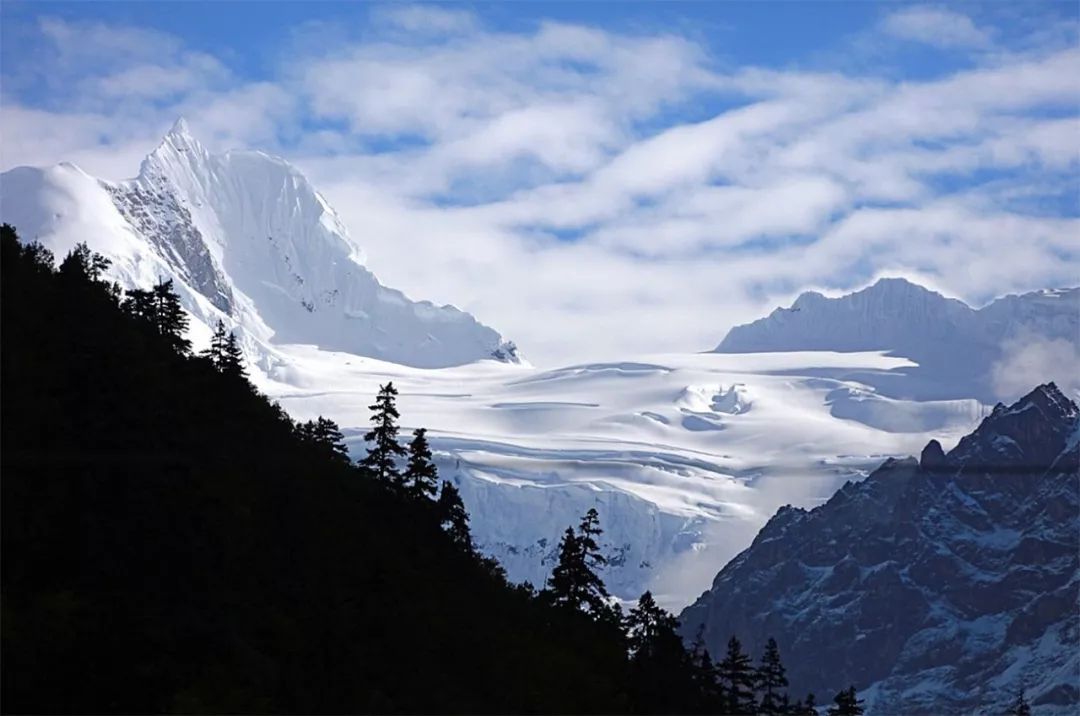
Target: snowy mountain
[(938, 586), (246, 239), (960, 350), (684, 455)]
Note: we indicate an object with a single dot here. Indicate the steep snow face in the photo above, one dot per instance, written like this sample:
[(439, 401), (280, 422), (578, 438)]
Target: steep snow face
[(939, 586), (955, 346), (250, 235)]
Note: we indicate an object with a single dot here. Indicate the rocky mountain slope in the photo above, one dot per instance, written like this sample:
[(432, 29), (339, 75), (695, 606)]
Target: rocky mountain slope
[(248, 240), (958, 348), (935, 586)]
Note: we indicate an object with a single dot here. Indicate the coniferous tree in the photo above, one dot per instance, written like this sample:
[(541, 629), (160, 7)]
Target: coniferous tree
[(1020, 707), (324, 435), (38, 259), (663, 679), (453, 516), (574, 581), (772, 681), (647, 624), (561, 585), (736, 675), (224, 352), (162, 313), (140, 304), (704, 672), (382, 456), (83, 263), (217, 345), (846, 703), (804, 708), (421, 477), (232, 358), (169, 317)]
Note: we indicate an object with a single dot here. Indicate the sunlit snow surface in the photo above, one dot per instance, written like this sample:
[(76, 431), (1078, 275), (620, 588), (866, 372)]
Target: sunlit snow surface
[(685, 456)]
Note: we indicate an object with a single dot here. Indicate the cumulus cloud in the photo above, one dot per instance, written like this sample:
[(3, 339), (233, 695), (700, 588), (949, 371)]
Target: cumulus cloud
[(596, 193)]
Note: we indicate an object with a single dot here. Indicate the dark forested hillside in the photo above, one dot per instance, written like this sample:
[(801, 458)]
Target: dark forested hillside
[(170, 543)]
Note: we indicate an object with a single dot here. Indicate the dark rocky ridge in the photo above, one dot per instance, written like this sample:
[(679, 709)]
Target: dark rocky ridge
[(938, 586)]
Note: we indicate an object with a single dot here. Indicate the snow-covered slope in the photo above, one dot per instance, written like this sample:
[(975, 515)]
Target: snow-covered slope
[(939, 586), (248, 239), (685, 456), (958, 348)]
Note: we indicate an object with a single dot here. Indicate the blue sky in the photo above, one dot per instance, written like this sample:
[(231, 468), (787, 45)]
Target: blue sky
[(598, 179)]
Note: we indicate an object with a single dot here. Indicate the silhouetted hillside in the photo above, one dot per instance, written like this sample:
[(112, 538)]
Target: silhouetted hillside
[(170, 543)]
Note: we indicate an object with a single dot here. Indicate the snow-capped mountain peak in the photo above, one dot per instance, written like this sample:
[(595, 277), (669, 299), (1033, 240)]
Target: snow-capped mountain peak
[(247, 239), (908, 320)]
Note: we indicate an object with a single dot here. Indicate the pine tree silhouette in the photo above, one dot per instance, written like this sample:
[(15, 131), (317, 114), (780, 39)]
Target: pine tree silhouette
[(574, 581), (381, 458), (421, 477), (736, 675), (453, 517), (232, 358), (647, 624), (224, 352), (846, 703), (324, 435), (217, 345), (169, 317), (772, 681), (160, 310), (1020, 707), (82, 263), (663, 676), (704, 673)]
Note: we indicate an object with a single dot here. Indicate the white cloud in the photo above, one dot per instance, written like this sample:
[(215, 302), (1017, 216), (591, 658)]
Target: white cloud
[(1027, 360), (424, 19), (547, 179), (936, 26)]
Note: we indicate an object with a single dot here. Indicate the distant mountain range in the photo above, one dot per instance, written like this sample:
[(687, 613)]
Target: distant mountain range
[(246, 239), (938, 586), (961, 351)]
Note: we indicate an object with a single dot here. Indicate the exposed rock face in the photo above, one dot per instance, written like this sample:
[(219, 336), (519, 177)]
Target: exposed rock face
[(936, 587), (167, 224)]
